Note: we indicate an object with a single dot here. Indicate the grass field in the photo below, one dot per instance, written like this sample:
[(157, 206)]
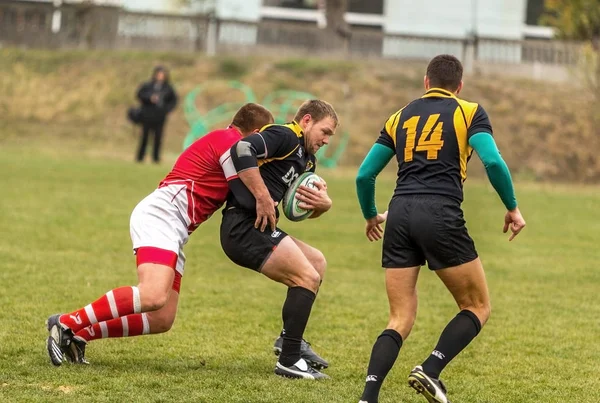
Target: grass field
[(65, 241)]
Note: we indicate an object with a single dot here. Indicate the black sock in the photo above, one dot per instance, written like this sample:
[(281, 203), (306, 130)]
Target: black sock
[(295, 313), (456, 336), (384, 354), (283, 330)]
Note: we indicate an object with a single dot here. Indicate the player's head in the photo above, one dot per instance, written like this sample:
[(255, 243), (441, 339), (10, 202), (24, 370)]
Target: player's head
[(319, 121), (251, 118), (444, 71), (160, 74)]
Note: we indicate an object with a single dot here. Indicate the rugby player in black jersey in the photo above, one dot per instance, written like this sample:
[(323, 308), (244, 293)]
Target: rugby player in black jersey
[(261, 169), (432, 139)]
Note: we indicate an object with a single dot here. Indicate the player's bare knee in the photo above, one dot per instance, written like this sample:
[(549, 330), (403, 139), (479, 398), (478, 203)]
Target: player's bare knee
[(309, 279), (164, 325), (320, 264), (484, 313), (153, 300), (481, 309), (159, 322), (402, 324)]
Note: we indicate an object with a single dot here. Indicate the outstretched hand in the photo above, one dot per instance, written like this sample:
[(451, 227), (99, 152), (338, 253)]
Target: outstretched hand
[(373, 228), (514, 221)]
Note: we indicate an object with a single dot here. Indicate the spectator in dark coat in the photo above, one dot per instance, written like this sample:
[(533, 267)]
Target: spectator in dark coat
[(158, 99)]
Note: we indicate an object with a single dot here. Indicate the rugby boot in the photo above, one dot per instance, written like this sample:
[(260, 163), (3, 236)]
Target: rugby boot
[(59, 340), (76, 352), (306, 352), (300, 370), (432, 389)]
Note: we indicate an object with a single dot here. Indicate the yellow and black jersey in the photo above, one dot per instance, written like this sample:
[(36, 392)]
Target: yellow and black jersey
[(430, 137), (280, 154)]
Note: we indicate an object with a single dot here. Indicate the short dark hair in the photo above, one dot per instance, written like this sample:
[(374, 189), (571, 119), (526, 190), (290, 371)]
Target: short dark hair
[(318, 109), (252, 117), (445, 71)]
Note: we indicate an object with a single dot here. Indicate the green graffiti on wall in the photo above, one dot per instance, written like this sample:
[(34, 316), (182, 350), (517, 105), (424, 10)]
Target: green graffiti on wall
[(282, 104)]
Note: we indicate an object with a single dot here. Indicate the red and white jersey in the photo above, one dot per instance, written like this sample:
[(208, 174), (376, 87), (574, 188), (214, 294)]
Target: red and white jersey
[(200, 170)]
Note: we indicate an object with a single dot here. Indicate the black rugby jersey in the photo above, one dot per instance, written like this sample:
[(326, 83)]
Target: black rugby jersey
[(430, 137), (280, 154)]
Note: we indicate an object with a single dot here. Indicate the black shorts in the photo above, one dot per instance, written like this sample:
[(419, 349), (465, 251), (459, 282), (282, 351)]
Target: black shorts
[(244, 244), (424, 228)]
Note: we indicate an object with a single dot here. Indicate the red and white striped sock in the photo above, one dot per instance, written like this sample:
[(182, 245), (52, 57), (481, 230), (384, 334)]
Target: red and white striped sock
[(119, 302), (125, 326)]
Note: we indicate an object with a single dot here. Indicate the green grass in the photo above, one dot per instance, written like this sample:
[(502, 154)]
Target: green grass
[(64, 223)]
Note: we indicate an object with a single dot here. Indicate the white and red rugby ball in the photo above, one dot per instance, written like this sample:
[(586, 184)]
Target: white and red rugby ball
[(290, 203)]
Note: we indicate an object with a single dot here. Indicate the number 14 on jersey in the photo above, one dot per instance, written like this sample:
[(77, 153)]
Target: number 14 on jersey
[(430, 139)]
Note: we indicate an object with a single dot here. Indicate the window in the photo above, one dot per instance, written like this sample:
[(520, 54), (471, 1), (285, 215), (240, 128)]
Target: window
[(303, 4), (535, 9), (8, 17), (35, 20), (366, 6)]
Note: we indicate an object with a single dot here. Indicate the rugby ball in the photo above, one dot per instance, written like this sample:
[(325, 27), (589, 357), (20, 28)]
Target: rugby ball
[(290, 204)]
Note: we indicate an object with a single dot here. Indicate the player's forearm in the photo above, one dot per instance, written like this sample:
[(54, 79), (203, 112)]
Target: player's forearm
[(253, 181), (377, 158), (497, 170), (500, 178)]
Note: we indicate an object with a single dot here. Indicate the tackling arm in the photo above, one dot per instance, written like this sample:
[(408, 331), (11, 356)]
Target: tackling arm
[(251, 189), (244, 155)]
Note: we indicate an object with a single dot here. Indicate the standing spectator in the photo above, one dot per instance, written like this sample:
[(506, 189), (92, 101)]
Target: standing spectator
[(158, 99)]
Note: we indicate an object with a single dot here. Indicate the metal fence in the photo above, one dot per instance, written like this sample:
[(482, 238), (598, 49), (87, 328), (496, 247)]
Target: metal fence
[(161, 32), (35, 24)]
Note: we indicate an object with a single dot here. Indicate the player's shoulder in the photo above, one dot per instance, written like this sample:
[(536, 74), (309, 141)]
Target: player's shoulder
[(287, 134), (468, 106), (394, 117), (223, 135), (288, 129), (221, 138)]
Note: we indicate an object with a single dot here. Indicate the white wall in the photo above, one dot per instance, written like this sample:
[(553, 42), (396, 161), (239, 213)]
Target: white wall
[(158, 6), (243, 10), (502, 19)]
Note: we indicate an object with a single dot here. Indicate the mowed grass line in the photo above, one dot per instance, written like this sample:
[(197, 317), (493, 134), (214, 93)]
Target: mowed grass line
[(65, 242)]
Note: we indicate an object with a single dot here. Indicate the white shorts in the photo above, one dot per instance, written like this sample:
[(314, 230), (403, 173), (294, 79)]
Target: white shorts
[(161, 221)]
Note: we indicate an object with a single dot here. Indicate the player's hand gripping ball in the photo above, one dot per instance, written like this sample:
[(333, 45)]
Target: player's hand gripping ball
[(290, 203)]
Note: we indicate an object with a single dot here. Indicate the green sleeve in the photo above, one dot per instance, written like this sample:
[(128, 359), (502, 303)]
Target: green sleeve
[(377, 158), (496, 168)]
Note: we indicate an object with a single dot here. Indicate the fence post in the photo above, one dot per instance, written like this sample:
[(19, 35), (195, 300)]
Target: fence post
[(212, 35), (201, 24), (469, 54)]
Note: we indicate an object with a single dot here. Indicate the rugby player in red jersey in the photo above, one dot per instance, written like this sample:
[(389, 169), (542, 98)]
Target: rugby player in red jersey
[(160, 226)]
